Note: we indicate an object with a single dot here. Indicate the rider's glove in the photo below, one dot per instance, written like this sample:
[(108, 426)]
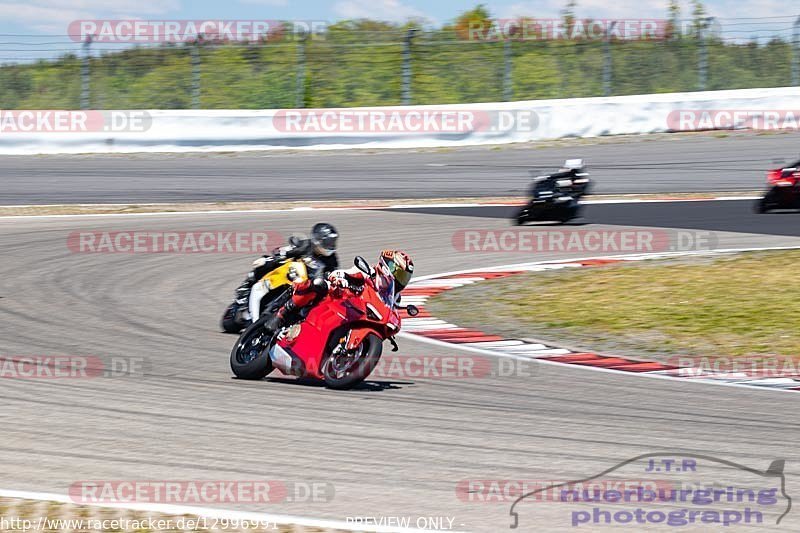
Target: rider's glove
[(340, 283), (261, 261), (338, 280)]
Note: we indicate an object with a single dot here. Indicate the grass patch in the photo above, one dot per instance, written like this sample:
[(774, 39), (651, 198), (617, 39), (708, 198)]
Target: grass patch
[(707, 306)]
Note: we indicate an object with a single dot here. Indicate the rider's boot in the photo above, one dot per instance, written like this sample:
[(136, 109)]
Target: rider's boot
[(284, 316), (243, 291), (304, 295)]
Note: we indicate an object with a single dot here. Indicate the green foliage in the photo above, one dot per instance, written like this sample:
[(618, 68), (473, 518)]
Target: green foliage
[(359, 63), (46, 85)]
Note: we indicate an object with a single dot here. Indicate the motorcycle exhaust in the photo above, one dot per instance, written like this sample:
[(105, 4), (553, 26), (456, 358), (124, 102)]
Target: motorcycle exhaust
[(286, 362)]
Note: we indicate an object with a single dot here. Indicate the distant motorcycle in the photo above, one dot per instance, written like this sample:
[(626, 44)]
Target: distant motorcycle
[(783, 190), (555, 197), (338, 341)]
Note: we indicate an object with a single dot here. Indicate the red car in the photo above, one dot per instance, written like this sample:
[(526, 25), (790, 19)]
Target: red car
[(783, 189)]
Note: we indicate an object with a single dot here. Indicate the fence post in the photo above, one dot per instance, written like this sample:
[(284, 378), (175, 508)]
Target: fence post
[(796, 53), (407, 66), (607, 63), (85, 73), (702, 60), (300, 82), (508, 79), (195, 51)]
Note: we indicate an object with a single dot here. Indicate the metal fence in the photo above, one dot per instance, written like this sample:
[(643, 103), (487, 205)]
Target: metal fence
[(358, 68)]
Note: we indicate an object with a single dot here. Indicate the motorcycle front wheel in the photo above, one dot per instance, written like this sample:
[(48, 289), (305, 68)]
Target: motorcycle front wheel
[(250, 355), (345, 371), (761, 206), (521, 217), (229, 324)]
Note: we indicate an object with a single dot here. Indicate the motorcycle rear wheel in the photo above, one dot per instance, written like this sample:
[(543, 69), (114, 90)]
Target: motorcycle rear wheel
[(368, 354), (250, 355)]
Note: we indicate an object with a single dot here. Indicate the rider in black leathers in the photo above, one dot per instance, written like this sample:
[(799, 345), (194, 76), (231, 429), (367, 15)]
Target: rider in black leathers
[(319, 248)]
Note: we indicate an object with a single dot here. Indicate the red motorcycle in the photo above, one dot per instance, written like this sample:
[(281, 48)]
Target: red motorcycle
[(783, 190), (339, 341)]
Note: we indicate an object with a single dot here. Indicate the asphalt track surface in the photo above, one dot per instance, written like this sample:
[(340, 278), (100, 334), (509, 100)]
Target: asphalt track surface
[(719, 216), (393, 447), (668, 163)]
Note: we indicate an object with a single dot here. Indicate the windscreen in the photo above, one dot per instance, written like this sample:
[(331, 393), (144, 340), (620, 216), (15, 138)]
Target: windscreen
[(384, 285)]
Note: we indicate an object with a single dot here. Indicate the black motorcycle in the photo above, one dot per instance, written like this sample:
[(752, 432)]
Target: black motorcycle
[(555, 197)]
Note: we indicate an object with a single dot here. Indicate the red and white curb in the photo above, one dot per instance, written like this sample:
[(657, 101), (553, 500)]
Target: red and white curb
[(428, 328)]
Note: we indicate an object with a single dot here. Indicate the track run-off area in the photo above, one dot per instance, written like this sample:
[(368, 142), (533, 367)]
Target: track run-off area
[(393, 447)]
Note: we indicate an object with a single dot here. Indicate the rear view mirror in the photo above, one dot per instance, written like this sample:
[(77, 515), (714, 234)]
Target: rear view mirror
[(363, 266), (296, 240), (412, 310)]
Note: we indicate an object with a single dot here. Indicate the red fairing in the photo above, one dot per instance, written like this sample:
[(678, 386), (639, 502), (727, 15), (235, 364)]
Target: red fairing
[(773, 176), (776, 176), (342, 311), (358, 335)]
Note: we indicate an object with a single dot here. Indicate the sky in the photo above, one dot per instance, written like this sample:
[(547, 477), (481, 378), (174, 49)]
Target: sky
[(51, 17), (38, 28)]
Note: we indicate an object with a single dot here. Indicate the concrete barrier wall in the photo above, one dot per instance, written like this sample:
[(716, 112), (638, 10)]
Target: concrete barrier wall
[(30, 132)]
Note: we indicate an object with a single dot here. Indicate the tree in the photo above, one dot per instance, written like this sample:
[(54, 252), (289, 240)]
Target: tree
[(673, 29), (568, 14), (474, 24), (699, 17)]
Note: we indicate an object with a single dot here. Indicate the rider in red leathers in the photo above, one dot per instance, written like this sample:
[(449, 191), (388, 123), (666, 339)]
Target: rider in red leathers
[(308, 293)]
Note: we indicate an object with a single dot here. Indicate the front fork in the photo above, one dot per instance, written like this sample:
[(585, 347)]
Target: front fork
[(341, 347)]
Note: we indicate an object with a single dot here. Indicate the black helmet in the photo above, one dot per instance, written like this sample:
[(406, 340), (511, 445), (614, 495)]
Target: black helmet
[(323, 238)]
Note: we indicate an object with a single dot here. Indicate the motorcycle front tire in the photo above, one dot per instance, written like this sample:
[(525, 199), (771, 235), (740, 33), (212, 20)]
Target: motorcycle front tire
[(373, 348), (521, 217), (229, 324), (258, 367), (765, 204)]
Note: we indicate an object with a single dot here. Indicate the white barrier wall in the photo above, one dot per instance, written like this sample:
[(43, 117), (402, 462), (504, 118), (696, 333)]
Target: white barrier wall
[(23, 132)]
